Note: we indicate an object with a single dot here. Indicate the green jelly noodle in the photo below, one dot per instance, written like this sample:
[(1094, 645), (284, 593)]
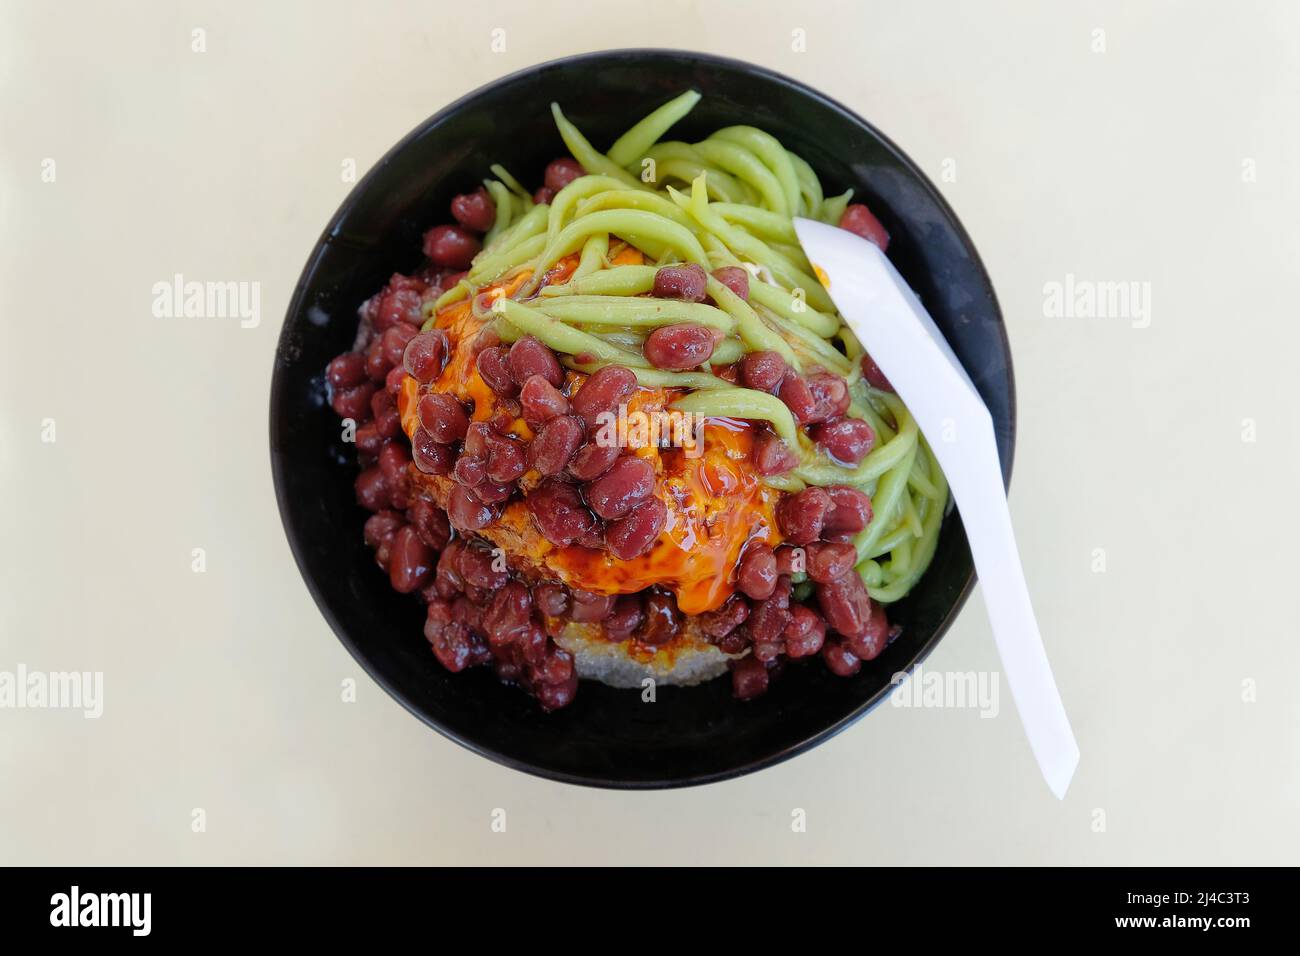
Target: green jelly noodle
[(728, 200)]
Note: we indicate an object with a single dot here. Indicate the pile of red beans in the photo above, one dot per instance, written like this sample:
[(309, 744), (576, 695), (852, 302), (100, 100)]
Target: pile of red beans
[(846, 627), (586, 493)]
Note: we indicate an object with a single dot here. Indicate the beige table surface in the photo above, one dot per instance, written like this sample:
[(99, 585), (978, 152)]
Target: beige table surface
[(1163, 448)]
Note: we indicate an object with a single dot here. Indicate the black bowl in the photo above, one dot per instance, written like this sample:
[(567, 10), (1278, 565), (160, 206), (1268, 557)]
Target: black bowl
[(607, 737)]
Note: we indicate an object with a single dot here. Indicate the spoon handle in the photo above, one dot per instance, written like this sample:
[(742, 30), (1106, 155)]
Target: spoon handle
[(978, 492)]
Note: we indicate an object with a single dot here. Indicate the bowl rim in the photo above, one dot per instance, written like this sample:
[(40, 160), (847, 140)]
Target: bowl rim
[(295, 308)]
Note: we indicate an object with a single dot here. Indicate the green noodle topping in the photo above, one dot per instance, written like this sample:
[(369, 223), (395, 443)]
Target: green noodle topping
[(728, 200)]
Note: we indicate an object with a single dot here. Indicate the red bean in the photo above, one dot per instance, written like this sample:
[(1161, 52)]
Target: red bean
[(506, 460), (634, 535), (487, 338), (847, 440), (846, 606), (399, 496), (540, 401), (477, 437), (802, 515), (767, 621), (447, 574), (529, 357), (466, 510), (469, 470), (438, 610), (858, 220), (685, 282), (767, 651), (798, 397), (382, 552), (625, 618), (454, 644), (451, 247), (589, 607), (831, 394), (368, 440), (558, 511), (828, 562), (447, 582), (346, 371), (372, 490), (840, 661), (592, 536), (734, 643), (874, 376), (429, 456), (492, 492), (410, 561), (479, 566), (380, 401), (874, 636), (603, 391), (592, 460), (423, 357), (735, 278), (380, 525), (493, 364), (353, 403), (470, 609), (552, 697), (393, 459), (555, 667), (551, 598), (377, 364), (393, 381), (531, 647), (560, 172), (763, 371), (555, 444), (721, 622), (790, 560), (430, 523), (509, 615), (850, 513), (388, 423), (749, 678), (679, 346), (662, 621), (475, 211), (805, 634), (394, 342), (543, 196), (756, 574), (442, 417), (402, 300), (781, 596), (630, 480), (771, 456), (505, 457)]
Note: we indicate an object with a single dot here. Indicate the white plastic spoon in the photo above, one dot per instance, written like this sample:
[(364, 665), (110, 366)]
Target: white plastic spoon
[(909, 349)]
